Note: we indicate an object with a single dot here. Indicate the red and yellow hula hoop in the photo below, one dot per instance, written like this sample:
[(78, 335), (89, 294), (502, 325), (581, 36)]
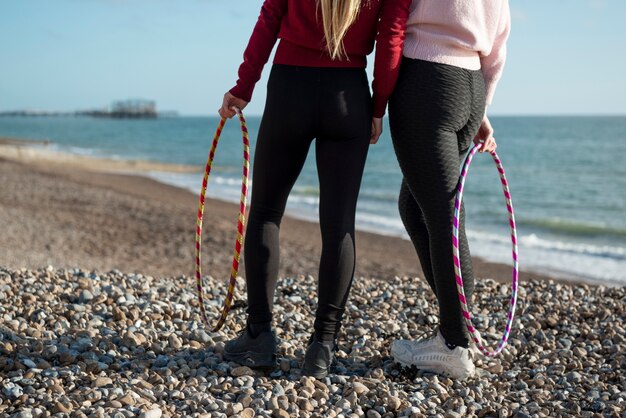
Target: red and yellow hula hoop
[(240, 222)]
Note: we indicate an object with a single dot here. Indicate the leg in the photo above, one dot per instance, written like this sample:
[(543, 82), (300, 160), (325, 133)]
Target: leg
[(341, 151), (415, 224), (340, 167), (343, 132), (465, 137), (281, 150), (282, 146), (430, 106)]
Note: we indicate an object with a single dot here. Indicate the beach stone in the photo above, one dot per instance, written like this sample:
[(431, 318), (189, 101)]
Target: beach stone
[(305, 405), (11, 390), (175, 342), (127, 400), (234, 409), (67, 357), (114, 404), (372, 413), (246, 401), (359, 388), (242, 371), (574, 377), (102, 381), (161, 361), (152, 413), (56, 388), (278, 390), (247, 413), (496, 368), (280, 413), (62, 407), (552, 321), (85, 296), (29, 363), (394, 403), (118, 314)]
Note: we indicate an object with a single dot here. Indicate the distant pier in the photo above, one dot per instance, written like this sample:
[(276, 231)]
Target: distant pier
[(121, 109), (126, 109)]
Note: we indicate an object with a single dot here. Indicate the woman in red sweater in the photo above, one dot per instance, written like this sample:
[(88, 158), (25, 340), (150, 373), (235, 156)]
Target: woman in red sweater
[(317, 89)]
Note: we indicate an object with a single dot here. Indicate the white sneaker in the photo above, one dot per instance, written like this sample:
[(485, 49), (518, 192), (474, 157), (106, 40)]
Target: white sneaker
[(432, 355)]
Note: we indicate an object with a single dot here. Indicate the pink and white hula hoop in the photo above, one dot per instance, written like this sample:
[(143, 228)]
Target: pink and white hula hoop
[(457, 259)]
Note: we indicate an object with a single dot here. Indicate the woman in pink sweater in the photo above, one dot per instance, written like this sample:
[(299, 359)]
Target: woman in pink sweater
[(454, 53)]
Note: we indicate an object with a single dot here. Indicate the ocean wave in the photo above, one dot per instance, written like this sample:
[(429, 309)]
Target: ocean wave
[(226, 181), (534, 241), (69, 149), (306, 190), (311, 201), (380, 195), (574, 227), (382, 224)]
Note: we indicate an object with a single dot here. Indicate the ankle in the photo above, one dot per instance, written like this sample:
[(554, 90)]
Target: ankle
[(452, 346), (324, 338), (255, 329), (453, 343)]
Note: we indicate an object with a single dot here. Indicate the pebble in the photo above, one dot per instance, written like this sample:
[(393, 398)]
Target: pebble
[(63, 407), (85, 296), (102, 381), (394, 403), (242, 371), (175, 342), (29, 363), (281, 413), (152, 413), (11, 390), (247, 413)]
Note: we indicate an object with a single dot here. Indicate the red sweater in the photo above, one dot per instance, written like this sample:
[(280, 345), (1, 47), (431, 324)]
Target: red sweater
[(298, 24)]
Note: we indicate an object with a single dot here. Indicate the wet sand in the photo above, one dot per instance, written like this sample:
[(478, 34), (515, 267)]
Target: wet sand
[(67, 211)]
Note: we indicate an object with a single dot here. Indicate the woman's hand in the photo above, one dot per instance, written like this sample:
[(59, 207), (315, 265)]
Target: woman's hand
[(485, 136), (230, 102), (377, 129)]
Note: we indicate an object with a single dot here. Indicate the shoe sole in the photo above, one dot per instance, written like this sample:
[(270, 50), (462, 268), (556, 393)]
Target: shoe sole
[(316, 374), (252, 359), (461, 376)]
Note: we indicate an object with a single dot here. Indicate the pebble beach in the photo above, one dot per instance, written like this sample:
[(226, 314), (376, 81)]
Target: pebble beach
[(84, 343), (99, 317)]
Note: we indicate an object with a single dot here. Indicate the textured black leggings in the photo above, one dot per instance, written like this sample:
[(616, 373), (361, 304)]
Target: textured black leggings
[(333, 106), (434, 114)]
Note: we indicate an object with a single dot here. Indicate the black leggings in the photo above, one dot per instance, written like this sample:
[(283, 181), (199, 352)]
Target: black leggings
[(434, 114), (332, 105)]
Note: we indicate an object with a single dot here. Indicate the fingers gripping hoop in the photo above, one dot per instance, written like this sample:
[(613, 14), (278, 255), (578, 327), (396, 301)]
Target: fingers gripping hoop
[(457, 259), (240, 222)]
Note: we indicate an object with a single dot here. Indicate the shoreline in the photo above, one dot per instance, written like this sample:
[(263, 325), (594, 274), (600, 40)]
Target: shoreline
[(38, 152), (378, 255)]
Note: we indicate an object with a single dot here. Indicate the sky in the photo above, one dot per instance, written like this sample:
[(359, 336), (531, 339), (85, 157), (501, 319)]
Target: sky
[(566, 57)]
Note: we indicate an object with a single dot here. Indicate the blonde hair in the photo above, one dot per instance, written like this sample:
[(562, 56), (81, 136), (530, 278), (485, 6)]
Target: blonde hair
[(337, 17)]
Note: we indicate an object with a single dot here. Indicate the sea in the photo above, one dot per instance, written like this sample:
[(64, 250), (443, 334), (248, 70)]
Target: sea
[(567, 177)]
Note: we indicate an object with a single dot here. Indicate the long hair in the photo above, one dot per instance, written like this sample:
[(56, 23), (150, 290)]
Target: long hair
[(337, 17)]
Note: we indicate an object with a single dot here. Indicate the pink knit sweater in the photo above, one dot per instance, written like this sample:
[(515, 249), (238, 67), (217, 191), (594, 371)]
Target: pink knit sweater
[(469, 34)]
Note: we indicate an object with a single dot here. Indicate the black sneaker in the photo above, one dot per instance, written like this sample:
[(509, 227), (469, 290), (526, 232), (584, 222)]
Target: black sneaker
[(318, 358), (258, 353)]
